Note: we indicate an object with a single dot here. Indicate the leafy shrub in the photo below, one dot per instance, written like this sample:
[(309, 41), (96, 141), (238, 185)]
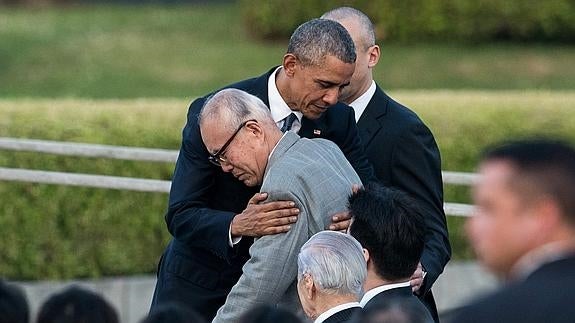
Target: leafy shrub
[(60, 232), (428, 20)]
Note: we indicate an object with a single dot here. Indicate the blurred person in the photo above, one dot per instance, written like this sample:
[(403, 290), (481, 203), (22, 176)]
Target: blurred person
[(172, 313), (242, 137), (13, 304), (331, 273), (400, 147), (269, 314), (391, 228), (523, 230), (210, 210), (393, 310), (75, 305)]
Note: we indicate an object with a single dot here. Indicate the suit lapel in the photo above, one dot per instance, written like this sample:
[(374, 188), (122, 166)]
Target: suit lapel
[(313, 128), (260, 87), (369, 123)]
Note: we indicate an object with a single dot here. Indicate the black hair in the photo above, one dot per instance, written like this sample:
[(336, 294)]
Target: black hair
[(390, 225)]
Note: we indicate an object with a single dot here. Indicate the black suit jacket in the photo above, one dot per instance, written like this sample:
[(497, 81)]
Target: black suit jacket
[(199, 267), (402, 294), (405, 155), (342, 316), (546, 295)]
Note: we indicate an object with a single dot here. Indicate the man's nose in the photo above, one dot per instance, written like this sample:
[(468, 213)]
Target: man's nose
[(331, 96)]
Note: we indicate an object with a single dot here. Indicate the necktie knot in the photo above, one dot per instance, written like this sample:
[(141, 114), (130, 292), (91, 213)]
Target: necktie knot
[(288, 123)]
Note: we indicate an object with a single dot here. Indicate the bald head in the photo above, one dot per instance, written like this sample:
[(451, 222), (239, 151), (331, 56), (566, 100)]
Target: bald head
[(348, 15)]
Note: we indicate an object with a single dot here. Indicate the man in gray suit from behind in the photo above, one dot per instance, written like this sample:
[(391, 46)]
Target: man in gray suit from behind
[(241, 136)]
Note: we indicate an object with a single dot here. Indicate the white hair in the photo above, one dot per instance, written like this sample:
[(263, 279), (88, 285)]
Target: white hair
[(230, 107), (335, 262)]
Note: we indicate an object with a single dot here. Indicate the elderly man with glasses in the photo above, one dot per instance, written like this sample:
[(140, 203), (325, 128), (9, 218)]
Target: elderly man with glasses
[(243, 139), (211, 215)]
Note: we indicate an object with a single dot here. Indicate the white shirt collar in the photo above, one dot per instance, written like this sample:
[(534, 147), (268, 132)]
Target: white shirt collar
[(372, 292), (362, 101), (538, 257), (334, 310), (278, 107)]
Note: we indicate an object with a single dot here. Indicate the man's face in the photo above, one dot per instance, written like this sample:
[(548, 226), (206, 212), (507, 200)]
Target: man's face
[(244, 157), (361, 75), (502, 227), (315, 88)]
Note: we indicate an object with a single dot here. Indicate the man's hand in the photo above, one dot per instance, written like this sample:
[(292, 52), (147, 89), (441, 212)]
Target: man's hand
[(341, 221), (416, 279), (264, 219)]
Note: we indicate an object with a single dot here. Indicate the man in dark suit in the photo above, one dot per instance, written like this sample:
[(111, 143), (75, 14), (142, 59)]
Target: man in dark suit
[(400, 147), (523, 230), (331, 272), (209, 210), (391, 228)]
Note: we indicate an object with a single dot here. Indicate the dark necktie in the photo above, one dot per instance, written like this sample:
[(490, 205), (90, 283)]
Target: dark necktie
[(289, 120)]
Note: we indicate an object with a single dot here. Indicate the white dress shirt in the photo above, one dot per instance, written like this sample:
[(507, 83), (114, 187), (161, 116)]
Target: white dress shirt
[(362, 101), (372, 292), (278, 107), (334, 310)]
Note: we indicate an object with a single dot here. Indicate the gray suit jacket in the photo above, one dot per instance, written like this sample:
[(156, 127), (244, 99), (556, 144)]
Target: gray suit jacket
[(315, 174)]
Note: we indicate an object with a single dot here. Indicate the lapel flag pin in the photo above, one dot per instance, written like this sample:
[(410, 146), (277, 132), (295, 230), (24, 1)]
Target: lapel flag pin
[(317, 132)]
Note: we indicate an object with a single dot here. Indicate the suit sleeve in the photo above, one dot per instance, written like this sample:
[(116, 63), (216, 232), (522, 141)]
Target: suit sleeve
[(189, 220), (417, 171), (350, 144), (271, 270)]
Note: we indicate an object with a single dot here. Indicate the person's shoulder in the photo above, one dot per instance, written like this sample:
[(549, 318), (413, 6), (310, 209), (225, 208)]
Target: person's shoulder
[(395, 109), (250, 84)]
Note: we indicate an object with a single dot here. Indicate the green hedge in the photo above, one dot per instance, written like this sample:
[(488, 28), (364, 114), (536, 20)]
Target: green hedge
[(428, 20), (60, 232)]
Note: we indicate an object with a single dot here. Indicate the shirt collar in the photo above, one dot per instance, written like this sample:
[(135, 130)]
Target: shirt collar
[(362, 101), (538, 257), (334, 310), (278, 107), (372, 292)]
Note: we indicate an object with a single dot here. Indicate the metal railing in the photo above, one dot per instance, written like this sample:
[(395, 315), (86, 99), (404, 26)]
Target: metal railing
[(139, 154)]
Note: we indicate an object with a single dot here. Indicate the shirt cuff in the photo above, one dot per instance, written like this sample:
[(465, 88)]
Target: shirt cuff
[(233, 241)]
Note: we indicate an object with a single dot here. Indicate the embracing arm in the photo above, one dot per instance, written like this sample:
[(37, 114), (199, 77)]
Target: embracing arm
[(188, 218), (352, 147), (191, 217), (271, 270)]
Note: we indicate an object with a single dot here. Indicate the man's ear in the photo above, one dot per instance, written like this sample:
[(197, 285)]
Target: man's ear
[(309, 286), (255, 128), (289, 64), (374, 54), (366, 256)]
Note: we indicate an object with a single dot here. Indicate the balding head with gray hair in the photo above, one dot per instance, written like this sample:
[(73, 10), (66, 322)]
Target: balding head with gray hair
[(230, 107), (335, 262), (312, 41)]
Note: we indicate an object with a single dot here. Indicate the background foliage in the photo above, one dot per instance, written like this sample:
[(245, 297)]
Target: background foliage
[(428, 20), (187, 51), (62, 67), (51, 231)]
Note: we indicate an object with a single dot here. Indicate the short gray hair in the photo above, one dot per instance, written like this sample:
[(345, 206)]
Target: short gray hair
[(312, 41), (335, 262), (344, 13), (231, 107)]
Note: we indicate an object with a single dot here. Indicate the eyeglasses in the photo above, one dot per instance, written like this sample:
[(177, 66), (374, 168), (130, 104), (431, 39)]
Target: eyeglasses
[(217, 158)]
